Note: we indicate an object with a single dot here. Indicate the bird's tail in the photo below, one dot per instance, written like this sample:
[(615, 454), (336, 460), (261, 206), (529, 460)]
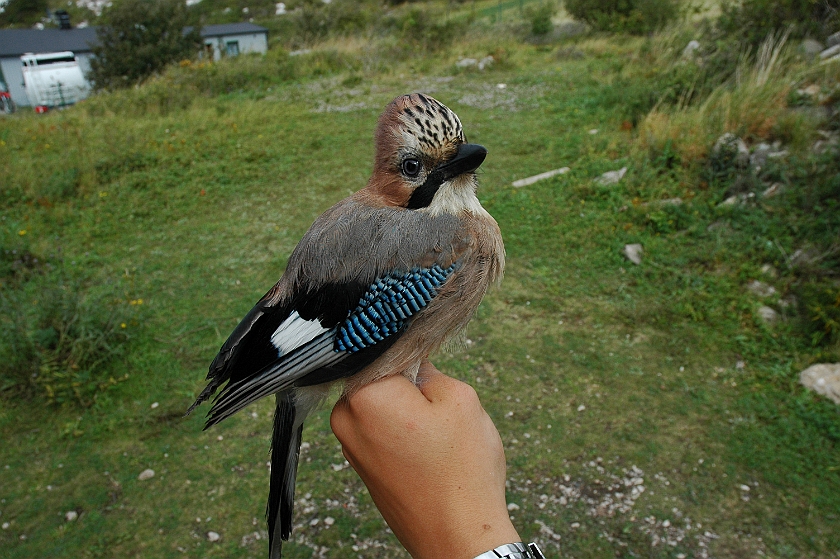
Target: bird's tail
[(285, 451)]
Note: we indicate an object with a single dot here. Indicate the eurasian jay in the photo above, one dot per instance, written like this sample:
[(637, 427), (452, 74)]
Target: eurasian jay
[(378, 282)]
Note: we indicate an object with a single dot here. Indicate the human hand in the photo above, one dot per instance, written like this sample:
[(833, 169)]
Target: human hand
[(432, 460)]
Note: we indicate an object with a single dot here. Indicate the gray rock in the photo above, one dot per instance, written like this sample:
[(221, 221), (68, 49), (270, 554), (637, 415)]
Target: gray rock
[(633, 253), (485, 62), (71, 515), (767, 314), (213, 536), (824, 379), (731, 201), (810, 47), (760, 154), (611, 177), (732, 142), (466, 62), (691, 49), (761, 289), (832, 40), (542, 176), (146, 474), (773, 190), (830, 52)]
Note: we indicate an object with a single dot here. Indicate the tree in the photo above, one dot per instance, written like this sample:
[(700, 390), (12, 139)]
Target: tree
[(138, 38), (22, 13)]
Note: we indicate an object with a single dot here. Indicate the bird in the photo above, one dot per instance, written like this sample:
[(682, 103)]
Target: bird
[(378, 282)]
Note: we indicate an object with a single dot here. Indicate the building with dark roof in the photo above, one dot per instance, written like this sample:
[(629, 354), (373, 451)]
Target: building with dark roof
[(229, 39)]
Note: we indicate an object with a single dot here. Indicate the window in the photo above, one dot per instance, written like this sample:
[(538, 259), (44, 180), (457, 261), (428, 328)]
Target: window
[(232, 48)]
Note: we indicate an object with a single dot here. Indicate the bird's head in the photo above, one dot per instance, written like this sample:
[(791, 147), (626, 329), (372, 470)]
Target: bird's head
[(423, 160)]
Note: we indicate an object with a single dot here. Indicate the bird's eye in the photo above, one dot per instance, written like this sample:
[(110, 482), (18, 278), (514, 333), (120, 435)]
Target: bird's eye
[(411, 167)]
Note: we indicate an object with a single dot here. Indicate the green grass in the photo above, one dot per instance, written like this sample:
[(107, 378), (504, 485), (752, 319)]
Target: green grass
[(589, 366)]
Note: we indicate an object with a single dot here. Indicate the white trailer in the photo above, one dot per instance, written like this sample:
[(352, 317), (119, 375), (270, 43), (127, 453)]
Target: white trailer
[(53, 79)]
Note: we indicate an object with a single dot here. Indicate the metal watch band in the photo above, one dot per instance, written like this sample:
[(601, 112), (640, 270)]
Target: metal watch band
[(516, 550)]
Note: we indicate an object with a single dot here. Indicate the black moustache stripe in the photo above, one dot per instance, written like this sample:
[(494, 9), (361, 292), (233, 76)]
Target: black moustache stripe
[(423, 194)]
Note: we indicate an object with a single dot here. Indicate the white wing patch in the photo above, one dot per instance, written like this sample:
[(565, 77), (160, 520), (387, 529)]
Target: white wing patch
[(294, 332)]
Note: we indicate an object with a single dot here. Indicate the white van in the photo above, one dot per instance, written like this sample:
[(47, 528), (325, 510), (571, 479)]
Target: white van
[(53, 79)]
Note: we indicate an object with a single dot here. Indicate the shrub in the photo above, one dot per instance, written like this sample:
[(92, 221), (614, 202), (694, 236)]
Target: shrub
[(540, 17), (753, 20), (625, 16)]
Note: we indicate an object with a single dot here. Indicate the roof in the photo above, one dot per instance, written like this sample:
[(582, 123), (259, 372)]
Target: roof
[(15, 42), (231, 29)]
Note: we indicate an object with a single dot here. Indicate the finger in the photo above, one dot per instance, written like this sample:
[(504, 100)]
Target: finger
[(437, 387)]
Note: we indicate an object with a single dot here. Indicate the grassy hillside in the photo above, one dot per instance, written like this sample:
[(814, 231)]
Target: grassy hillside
[(645, 410)]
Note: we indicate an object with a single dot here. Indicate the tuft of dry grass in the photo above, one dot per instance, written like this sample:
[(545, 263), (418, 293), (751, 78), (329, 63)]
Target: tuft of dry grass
[(753, 105)]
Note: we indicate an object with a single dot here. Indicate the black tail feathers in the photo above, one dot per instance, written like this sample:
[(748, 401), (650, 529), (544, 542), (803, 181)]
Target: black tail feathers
[(285, 451)]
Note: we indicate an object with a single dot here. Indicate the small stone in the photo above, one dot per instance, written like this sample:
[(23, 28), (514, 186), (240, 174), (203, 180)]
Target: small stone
[(581, 407), (6, 525), (666, 523), (501, 86), (71, 515), (761, 289), (744, 487), (830, 52), (329, 521), (768, 314), (146, 474), (154, 405), (810, 47), (824, 379), (547, 175), (769, 270), (512, 507), (730, 141), (593, 131), (485, 62), (611, 177), (466, 62), (760, 154), (213, 537), (574, 525), (731, 201), (773, 190), (691, 49), (633, 253), (833, 39)]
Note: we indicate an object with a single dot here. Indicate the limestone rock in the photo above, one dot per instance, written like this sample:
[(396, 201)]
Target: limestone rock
[(810, 47), (611, 177), (730, 141), (761, 289), (541, 176), (768, 314), (213, 536), (146, 474), (691, 49), (830, 52), (633, 253), (824, 379), (71, 515)]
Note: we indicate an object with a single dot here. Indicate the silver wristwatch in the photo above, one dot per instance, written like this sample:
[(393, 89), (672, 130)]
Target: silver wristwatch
[(516, 550)]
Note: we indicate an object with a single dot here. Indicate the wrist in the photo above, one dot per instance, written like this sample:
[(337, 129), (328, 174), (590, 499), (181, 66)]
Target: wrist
[(516, 550)]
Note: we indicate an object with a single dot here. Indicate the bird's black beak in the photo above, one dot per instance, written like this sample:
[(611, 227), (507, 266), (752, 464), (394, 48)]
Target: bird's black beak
[(468, 159)]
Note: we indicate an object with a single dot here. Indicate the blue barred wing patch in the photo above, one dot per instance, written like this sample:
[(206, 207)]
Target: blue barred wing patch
[(388, 304)]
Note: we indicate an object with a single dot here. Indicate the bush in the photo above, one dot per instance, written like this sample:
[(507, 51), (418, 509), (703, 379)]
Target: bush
[(60, 338), (625, 16), (753, 20), (540, 17)]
